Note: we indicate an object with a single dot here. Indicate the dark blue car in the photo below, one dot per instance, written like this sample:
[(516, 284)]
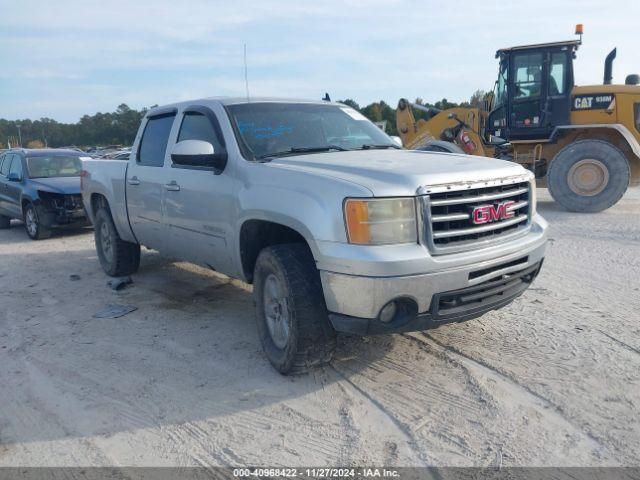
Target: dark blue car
[(42, 188)]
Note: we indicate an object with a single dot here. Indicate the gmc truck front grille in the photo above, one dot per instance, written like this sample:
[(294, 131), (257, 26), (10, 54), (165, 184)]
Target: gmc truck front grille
[(458, 220)]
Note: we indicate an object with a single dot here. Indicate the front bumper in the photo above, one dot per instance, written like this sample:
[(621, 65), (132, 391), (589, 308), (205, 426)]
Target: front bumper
[(447, 307), (60, 217), (355, 302)]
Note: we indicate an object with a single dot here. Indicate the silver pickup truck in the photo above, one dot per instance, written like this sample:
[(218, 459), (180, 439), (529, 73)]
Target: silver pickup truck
[(336, 227)]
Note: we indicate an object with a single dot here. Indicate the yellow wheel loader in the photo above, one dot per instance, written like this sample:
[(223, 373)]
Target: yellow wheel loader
[(582, 142)]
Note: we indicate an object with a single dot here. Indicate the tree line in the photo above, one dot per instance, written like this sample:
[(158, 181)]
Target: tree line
[(112, 128), (120, 127)]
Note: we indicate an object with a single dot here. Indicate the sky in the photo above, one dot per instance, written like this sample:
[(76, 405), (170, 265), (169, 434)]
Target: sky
[(62, 59)]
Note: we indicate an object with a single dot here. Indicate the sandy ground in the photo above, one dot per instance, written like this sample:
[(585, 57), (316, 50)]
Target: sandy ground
[(554, 379)]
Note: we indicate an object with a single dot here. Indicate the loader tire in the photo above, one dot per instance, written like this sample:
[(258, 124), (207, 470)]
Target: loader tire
[(291, 313), (588, 176), (117, 257), (441, 146)]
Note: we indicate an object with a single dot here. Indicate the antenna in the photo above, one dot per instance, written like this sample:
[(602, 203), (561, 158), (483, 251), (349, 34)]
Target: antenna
[(246, 76)]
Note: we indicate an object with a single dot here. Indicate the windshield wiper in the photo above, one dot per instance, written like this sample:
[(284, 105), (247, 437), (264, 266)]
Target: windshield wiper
[(383, 146), (294, 150)]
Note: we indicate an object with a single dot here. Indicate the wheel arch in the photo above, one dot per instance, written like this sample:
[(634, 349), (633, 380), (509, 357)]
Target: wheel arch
[(616, 134), (100, 199), (97, 201), (255, 234), (24, 201)]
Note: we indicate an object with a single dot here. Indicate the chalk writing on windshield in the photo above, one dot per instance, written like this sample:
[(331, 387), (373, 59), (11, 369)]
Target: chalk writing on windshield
[(262, 132)]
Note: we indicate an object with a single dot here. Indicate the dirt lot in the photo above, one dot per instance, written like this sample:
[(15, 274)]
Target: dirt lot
[(554, 379)]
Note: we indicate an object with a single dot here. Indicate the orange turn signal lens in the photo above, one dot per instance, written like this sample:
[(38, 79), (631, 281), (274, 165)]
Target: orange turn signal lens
[(356, 213), (380, 221)]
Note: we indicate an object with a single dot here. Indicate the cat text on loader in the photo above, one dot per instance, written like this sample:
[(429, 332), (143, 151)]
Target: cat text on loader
[(582, 142)]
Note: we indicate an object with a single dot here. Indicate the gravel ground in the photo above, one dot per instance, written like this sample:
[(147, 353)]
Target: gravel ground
[(553, 379)]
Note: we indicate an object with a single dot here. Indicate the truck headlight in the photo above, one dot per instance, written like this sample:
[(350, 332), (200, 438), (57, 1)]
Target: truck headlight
[(381, 221)]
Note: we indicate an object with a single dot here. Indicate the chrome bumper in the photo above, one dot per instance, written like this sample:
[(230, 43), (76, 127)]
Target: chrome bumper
[(359, 297)]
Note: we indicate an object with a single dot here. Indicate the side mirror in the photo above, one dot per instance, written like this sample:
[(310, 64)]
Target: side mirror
[(197, 153), (14, 177), (396, 139), (452, 116)]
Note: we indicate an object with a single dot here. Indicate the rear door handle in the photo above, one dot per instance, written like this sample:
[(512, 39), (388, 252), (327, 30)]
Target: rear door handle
[(172, 186), (134, 181)]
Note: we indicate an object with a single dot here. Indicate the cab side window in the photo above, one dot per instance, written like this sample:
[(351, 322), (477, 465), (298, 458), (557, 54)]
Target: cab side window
[(16, 166), (153, 145), (4, 169), (557, 74), (196, 126)]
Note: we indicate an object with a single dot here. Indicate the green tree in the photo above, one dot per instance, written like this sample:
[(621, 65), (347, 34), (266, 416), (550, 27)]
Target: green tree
[(477, 99)]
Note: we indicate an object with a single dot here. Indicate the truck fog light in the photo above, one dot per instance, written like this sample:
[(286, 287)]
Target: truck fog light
[(388, 312)]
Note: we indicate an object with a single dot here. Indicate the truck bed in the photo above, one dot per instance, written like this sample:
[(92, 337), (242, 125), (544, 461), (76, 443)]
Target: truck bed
[(108, 178)]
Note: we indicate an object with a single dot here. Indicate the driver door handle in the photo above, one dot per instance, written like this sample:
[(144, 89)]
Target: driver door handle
[(172, 186), (134, 181)]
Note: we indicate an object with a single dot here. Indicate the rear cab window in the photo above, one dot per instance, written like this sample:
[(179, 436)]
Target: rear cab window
[(155, 138)]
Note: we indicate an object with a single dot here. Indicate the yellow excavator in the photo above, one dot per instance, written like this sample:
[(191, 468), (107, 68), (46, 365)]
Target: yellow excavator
[(582, 142)]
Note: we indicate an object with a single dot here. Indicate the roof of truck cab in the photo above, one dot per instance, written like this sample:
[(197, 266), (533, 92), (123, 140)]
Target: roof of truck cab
[(234, 101)]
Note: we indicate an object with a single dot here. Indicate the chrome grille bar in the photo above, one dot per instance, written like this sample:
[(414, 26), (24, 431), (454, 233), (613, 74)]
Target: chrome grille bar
[(479, 198), (451, 217), (484, 228)]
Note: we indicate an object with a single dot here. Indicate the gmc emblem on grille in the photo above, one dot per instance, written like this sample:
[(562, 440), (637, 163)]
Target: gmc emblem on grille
[(492, 213)]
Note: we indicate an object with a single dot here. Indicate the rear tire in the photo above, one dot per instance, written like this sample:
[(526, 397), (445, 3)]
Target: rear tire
[(117, 257), (291, 313), (588, 176), (33, 223), (5, 222)]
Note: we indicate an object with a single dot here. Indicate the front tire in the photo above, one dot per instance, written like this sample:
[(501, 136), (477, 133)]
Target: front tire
[(33, 223), (588, 176), (117, 257), (291, 313)]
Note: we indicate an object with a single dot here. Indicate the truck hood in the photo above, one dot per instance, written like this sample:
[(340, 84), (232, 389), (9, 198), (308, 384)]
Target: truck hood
[(65, 185), (400, 172)]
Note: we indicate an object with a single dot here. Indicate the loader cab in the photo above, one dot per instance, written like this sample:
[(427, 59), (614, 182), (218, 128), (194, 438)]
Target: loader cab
[(533, 92)]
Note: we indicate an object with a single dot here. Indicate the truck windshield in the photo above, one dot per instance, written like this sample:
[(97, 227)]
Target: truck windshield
[(273, 129), (55, 166)]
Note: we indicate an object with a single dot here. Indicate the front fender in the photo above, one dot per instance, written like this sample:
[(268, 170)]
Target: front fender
[(309, 204)]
